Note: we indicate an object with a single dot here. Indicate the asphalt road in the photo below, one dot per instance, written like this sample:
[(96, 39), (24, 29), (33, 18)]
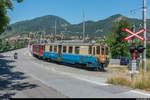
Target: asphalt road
[(29, 77)]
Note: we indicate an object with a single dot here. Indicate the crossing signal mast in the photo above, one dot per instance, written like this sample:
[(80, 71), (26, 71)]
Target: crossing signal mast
[(144, 65)]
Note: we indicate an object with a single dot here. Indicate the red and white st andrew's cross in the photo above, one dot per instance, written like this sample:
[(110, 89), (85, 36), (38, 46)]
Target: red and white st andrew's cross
[(134, 34)]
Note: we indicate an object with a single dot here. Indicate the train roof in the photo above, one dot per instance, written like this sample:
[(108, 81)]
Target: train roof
[(73, 43), (76, 44)]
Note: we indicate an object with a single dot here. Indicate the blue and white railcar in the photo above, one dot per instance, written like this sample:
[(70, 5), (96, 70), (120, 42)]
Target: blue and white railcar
[(92, 55)]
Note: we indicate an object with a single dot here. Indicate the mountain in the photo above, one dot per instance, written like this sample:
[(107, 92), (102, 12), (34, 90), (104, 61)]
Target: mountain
[(44, 23), (98, 28), (47, 24)]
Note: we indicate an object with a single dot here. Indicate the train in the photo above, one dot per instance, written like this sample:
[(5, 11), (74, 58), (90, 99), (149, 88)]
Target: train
[(91, 55)]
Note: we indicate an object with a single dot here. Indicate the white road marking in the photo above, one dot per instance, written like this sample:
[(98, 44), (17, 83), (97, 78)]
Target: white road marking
[(80, 77), (138, 92), (27, 53)]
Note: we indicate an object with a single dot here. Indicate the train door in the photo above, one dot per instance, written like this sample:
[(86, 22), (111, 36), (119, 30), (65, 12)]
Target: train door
[(98, 52), (41, 50), (93, 50), (59, 52), (103, 54)]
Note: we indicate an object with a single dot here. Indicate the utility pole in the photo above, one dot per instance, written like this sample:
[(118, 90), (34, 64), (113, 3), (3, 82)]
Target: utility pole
[(44, 36), (133, 42), (29, 42), (55, 31), (83, 26), (41, 38), (144, 65)]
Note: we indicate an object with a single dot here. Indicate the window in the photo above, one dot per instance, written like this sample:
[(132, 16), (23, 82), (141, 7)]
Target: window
[(107, 51), (93, 50), (98, 50), (103, 51), (77, 50), (55, 48), (64, 49), (51, 48), (90, 49), (70, 49)]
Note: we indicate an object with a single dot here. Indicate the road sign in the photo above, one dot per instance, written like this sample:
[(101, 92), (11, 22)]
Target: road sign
[(133, 66), (134, 34)]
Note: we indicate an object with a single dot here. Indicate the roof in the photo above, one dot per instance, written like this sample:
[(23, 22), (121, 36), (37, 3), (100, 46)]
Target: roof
[(74, 43)]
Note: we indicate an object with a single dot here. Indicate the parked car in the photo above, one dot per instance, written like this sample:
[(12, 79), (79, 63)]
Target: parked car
[(124, 60)]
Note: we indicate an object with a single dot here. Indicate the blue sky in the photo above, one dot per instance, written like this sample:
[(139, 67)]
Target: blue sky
[(71, 10)]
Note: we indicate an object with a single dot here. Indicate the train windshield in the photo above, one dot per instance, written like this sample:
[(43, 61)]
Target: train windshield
[(103, 51), (98, 49)]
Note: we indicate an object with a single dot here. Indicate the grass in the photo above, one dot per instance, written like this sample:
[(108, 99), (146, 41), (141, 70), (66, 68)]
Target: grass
[(141, 81), (118, 69), (148, 64)]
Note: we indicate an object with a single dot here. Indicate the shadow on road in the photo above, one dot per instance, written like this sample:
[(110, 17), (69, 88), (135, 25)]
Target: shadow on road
[(79, 66), (11, 81)]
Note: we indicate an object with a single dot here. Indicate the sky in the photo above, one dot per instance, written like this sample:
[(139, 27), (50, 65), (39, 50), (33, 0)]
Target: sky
[(71, 10)]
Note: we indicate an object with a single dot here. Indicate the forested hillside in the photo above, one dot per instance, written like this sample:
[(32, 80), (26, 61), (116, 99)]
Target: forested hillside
[(47, 24)]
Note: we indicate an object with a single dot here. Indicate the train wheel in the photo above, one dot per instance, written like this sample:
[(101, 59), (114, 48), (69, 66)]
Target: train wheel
[(96, 69), (102, 69), (48, 60)]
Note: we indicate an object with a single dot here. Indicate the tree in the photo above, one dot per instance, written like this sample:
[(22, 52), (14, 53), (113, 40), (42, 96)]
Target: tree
[(118, 47), (4, 19)]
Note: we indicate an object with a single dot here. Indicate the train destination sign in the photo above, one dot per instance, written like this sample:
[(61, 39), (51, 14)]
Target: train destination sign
[(134, 34)]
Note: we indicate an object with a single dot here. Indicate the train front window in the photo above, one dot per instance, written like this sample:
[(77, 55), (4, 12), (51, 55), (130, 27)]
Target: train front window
[(107, 51), (98, 50), (70, 49), (103, 51), (77, 50), (55, 48)]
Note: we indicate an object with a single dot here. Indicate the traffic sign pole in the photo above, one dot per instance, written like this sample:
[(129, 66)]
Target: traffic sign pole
[(144, 65)]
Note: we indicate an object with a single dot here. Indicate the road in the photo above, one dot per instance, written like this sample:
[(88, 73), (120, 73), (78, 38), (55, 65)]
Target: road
[(29, 77)]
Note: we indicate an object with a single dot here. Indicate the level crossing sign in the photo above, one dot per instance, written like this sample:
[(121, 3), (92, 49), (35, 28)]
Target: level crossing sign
[(134, 34)]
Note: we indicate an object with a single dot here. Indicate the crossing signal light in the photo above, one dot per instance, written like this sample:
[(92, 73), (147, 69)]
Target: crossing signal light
[(140, 48), (132, 49)]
